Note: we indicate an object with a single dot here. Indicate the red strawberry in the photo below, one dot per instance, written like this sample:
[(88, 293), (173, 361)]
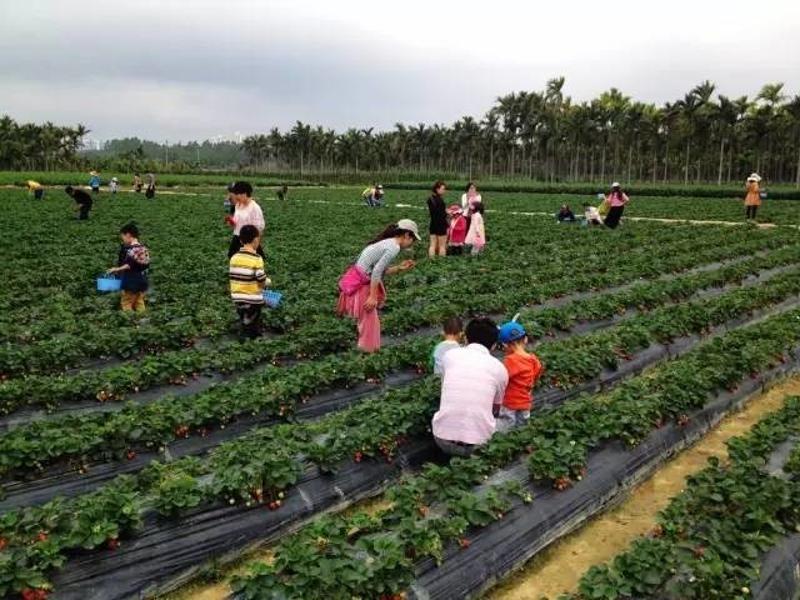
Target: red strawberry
[(464, 543), (358, 456), (3, 543), (113, 543), (41, 537), (130, 455)]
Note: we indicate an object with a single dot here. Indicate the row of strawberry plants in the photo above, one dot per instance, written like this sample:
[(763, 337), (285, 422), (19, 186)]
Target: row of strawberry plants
[(67, 350), (708, 541), (253, 469), (272, 391), (114, 382), (570, 362), (257, 468), (376, 555), (646, 296)]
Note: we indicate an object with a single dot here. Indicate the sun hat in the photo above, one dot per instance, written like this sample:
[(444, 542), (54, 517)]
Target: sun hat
[(380, 187), (409, 225), (754, 177), (615, 184), (510, 332)]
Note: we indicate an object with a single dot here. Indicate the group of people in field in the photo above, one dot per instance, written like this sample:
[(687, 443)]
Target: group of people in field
[(456, 227), (609, 213), (479, 394)]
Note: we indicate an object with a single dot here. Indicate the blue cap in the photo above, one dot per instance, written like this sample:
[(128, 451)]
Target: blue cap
[(511, 332)]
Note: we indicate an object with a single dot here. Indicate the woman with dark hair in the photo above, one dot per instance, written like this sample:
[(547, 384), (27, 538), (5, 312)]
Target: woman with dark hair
[(617, 200), (361, 290), (438, 226), (246, 212), (470, 198)]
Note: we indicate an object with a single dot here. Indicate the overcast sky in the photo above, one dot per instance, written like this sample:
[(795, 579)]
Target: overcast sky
[(190, 69)]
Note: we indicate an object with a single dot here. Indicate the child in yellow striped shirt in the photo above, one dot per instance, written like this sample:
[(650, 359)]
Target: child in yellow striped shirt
[(248, 280)]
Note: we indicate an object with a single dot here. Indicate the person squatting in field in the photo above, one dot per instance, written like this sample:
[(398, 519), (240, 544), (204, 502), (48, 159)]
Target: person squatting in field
[(373, 196), (248, 281), (361, 289), (133, 262), (473, 386), (524, 369), (453, 333)]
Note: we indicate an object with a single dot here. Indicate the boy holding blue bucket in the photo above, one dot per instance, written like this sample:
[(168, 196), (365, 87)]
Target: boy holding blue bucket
[(248, 280), (133, 262)]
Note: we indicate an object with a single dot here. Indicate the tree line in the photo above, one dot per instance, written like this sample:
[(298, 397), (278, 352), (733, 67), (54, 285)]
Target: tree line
[(29, 146), (541, 135), (544, 135)]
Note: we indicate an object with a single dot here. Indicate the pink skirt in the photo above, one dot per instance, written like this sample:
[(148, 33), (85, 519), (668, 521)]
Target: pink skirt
[(351, 305)]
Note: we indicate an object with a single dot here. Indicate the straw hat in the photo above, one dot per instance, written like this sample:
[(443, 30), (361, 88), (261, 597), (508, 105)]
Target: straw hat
[(754, 177)]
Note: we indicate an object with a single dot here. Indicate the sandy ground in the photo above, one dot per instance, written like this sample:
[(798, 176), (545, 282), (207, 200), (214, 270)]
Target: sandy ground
[(558, 568)]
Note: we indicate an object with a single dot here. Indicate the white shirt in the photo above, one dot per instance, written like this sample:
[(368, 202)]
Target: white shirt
[(473, 382), (465, 203), (592, 214), (441, 349), (248, 215)]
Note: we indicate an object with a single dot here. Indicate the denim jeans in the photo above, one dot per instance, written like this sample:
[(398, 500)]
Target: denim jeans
[(509, 419), (455, 448)]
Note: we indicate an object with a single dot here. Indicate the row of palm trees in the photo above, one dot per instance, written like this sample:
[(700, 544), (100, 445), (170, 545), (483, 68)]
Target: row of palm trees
[(29, 146), (544, 135)]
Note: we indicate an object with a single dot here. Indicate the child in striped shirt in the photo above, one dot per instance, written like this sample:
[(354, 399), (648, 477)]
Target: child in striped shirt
[(248, 280)]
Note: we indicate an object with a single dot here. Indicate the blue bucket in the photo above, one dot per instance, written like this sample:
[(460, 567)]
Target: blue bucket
[(108, 284), (272, 299)]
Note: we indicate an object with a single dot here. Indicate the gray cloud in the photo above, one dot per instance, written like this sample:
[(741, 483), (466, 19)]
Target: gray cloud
[(183, 69)]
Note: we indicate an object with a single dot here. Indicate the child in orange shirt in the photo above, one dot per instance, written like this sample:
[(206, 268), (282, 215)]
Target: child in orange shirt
[(524, 369)]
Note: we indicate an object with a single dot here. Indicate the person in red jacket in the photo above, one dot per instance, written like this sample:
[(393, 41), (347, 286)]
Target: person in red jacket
[(524, 369)]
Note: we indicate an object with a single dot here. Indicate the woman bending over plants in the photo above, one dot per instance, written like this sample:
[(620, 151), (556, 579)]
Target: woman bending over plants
[(361, 290)]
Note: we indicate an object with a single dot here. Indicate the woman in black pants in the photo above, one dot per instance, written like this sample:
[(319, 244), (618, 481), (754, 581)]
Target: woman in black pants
[(617, 200), (438, 226)]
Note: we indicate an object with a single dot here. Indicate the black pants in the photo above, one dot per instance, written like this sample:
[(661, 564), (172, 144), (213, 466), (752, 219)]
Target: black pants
[(613, 216), (250, 318), (83, 215), (750, 212), (236, 245), (38, 194)]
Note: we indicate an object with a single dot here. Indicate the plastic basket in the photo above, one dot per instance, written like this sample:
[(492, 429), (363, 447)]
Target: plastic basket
[(272, 299), (763, 195), (108, 284), (601, 196)]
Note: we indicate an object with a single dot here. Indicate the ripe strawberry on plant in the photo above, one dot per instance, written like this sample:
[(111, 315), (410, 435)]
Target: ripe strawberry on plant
[(34, 594), (464, 543), (112, 543), (3, 543), (130, 455)]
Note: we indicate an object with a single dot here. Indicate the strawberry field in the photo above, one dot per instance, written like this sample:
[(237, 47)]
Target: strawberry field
[(140, 453)]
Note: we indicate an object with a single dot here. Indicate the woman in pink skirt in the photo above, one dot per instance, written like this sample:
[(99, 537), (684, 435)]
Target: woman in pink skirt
[(361, 291)]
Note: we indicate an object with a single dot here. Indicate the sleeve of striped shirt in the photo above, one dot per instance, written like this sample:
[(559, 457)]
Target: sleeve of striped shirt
[(383, 263)]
